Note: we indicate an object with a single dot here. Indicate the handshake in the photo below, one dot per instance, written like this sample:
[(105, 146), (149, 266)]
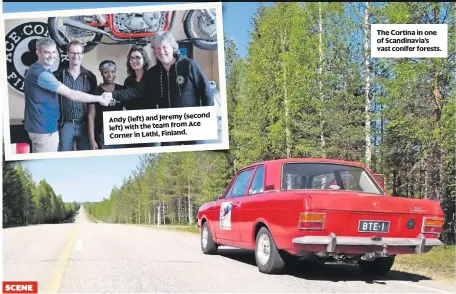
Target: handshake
[(107, 100)]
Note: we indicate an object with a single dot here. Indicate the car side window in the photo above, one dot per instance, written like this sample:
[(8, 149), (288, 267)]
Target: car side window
[(229, 192), (258, 182), (240, 186)]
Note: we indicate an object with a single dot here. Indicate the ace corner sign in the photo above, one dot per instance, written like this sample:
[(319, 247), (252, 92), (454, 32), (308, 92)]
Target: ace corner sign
[(20, 44)]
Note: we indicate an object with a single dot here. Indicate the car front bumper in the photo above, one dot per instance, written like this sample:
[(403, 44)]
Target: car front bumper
[(332, 241)]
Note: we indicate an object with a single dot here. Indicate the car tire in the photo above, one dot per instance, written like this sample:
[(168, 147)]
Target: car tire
[(207, 243), (378, 267), (267, 256)]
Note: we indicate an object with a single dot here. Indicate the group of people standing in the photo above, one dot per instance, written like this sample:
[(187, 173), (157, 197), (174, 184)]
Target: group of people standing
[(65, 108)]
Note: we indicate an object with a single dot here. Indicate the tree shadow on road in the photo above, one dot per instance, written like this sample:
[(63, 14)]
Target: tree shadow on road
[(69, 220), (327, 272)]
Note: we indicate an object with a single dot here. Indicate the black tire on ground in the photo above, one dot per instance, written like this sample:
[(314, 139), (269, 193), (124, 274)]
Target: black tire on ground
[(272, 263), (378, 267), (208, 246)]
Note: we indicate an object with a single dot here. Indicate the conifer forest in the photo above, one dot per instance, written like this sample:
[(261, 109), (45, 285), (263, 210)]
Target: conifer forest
[(307, 87)]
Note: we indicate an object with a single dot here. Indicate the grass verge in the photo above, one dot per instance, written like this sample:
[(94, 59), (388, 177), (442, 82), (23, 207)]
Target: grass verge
[(181, 228), (189, 229), (92, 218), (438, 264)]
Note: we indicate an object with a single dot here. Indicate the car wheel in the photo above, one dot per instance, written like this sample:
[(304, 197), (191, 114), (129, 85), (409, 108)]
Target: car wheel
[(207, 244), (267, 256), (378, 267)]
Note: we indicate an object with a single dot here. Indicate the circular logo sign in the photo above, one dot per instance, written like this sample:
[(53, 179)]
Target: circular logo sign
[(180, 80), (21, 52)]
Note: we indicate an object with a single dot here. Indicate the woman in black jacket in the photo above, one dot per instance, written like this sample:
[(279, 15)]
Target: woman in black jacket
[(137, 65)]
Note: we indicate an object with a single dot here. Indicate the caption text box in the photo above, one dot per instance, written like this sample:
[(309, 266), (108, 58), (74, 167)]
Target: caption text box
[(160, 125), (409, 40)]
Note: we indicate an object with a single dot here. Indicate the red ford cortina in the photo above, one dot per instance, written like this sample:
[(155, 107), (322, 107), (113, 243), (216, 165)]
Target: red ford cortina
[(330, 210)]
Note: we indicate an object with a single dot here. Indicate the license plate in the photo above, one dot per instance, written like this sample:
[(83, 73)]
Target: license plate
[(373, 226)]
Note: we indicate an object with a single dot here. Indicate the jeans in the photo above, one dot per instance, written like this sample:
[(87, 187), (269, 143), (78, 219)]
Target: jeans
[(74, 132), (44, 142)]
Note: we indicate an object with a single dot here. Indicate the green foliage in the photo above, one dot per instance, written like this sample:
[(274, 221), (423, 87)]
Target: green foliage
[(175, 183), (25, 202), (437, 264), (417, 98), (300, 92)]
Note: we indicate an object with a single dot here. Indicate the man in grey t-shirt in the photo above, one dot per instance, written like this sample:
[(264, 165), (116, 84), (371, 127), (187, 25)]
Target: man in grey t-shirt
[(41, 91)]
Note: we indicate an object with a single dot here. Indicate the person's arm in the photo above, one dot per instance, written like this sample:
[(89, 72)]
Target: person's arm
[(58, 75), (47, 80), (79, 96), (132, 93), (91, 126), (202, 83)]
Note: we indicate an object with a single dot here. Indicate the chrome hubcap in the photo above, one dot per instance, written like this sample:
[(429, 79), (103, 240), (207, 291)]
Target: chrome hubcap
[(263, 249), (205, 237)]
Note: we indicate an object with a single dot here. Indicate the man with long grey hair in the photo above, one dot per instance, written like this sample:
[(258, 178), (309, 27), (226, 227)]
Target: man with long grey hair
[(175, 81), (41, 92)]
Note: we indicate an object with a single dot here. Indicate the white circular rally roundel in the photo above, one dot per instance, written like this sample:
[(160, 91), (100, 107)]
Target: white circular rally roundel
[(20, 44)]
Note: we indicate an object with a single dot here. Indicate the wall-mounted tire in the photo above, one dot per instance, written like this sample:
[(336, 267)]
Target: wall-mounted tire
[(54, 31), (190, 33)]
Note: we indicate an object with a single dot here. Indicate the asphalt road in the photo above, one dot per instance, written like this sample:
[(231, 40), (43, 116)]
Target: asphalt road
[(84, 257)]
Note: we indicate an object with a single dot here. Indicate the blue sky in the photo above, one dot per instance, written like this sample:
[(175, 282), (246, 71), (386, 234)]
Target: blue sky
[(92, 178)]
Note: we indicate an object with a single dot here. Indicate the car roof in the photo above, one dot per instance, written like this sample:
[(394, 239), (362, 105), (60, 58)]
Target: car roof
[(273, 178), (281, 161)]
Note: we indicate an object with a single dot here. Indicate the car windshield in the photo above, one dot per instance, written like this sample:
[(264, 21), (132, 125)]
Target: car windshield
[(328, 176)]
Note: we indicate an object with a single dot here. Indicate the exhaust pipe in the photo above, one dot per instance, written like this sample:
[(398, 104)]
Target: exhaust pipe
[(101, 18), (374, 255), (82, 26), (369, 256)]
